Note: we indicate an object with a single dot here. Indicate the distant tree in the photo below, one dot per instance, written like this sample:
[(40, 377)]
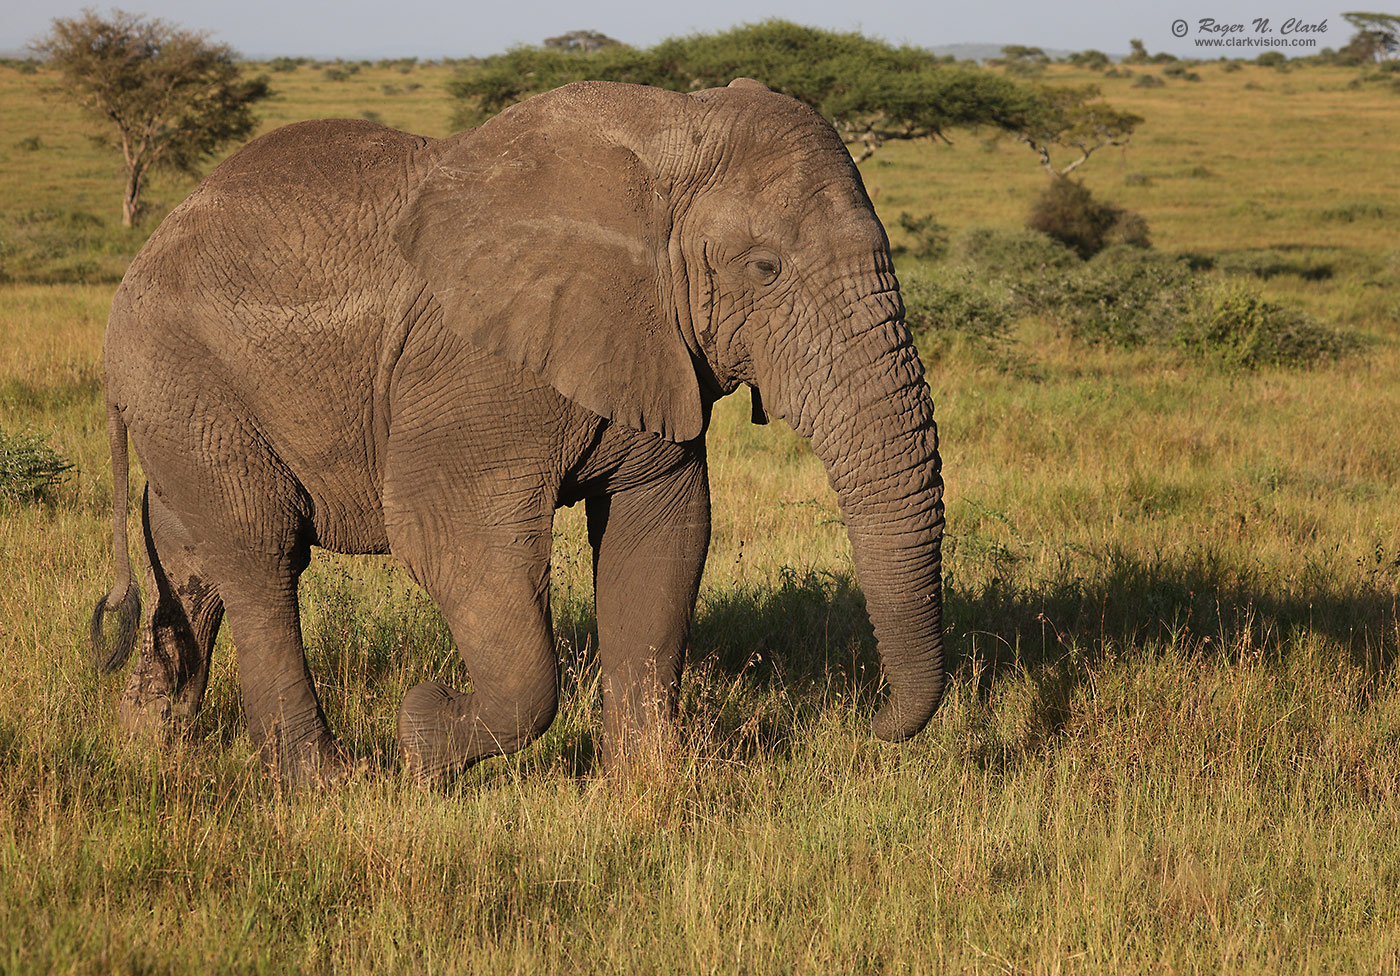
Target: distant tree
[(582, 40), (1091, 59), (1022, 60), (1139, 54), (1072, 117), (1020, 52), (1377, 36), (871, 91), (172, 98)]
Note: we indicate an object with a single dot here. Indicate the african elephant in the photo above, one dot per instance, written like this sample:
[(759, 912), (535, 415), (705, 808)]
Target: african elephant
[(361, 339)]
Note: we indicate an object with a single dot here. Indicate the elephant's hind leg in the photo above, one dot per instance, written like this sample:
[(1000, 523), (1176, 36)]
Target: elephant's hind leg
[(182, 618), (285, 719), (494, 591)]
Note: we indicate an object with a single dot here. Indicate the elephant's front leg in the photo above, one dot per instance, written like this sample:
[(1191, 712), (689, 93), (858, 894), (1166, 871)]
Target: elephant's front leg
[(492, 584), (649, 547)]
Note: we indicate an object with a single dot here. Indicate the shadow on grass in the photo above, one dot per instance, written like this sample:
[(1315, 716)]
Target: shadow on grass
[(807, 641), (767, 657)]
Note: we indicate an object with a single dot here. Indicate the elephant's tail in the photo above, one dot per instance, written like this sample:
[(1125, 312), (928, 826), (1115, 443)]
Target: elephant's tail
[(125, 596)]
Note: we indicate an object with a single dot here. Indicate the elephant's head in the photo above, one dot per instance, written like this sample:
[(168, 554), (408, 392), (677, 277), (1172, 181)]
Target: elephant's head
[(646, 252)]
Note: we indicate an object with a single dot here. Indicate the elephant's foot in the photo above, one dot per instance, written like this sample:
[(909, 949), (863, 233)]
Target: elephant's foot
[(148, 710), (323, 762), (431, 731)]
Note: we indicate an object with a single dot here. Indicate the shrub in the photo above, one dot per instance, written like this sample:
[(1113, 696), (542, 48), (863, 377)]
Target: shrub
[(1268, 263), (29, 469), (283, 64), (953, 302), (1125, 297), (996, 251), (1148, 81), (1272, 59), (30, 143), (335, 74), (1137, 179), (930, 238), (1354, 210), (1241, 329), (1068, 212)]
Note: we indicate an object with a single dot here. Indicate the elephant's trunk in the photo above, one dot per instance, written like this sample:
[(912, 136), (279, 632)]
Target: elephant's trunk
[(869, 417)]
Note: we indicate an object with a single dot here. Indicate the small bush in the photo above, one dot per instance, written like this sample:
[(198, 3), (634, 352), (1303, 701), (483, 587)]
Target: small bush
[(30, 144), (335, 74), (370, 115), (930, 238), (1266, 263), (1241, 329), (1230, 66), (1125, 297), (1137, 179), (1174, 70), (1148, 81), (1354, 210), (283, 64), (953, 302), (1272, 59), (30, 470), (1013, 252), (1068, 212)]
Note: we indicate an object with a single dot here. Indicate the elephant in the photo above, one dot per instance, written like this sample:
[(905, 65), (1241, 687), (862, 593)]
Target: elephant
[(369, 341)]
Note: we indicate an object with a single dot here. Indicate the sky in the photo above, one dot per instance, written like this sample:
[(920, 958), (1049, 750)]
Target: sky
[(357, 29)]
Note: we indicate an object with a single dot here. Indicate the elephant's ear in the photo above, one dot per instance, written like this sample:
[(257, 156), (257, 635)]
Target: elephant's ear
[(549, 249)]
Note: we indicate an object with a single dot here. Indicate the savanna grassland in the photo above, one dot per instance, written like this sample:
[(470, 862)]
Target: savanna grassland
[(1172, 739)]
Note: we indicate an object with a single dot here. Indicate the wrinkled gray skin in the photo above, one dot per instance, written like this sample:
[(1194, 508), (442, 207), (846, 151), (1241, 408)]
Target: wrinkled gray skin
[(360, 339)]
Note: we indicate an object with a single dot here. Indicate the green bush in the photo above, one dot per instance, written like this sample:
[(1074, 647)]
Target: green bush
[(953, 301), (1268, 262), (1148, 81), (30, 470), (1068, 212), (930, 238), (1124, 297), (1240, 328), (999, 252)]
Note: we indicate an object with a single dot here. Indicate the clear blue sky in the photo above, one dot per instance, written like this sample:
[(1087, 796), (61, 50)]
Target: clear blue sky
[(458, 28)]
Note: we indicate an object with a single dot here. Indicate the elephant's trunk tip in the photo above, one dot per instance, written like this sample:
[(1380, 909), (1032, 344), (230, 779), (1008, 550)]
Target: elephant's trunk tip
[(897, 721)]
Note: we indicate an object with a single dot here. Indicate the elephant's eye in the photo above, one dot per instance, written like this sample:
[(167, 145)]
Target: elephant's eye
[(764, 266)]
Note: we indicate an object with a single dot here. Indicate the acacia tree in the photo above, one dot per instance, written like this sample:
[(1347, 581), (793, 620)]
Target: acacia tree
[(1377, 36), (1071, 117), (172, 97), (869, 90)]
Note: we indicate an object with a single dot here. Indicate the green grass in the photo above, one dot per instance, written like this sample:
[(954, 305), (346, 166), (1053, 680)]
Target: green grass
[(1172, 740)]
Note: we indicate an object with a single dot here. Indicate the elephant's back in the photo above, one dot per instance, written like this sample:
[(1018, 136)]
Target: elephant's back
[(283, 220)]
